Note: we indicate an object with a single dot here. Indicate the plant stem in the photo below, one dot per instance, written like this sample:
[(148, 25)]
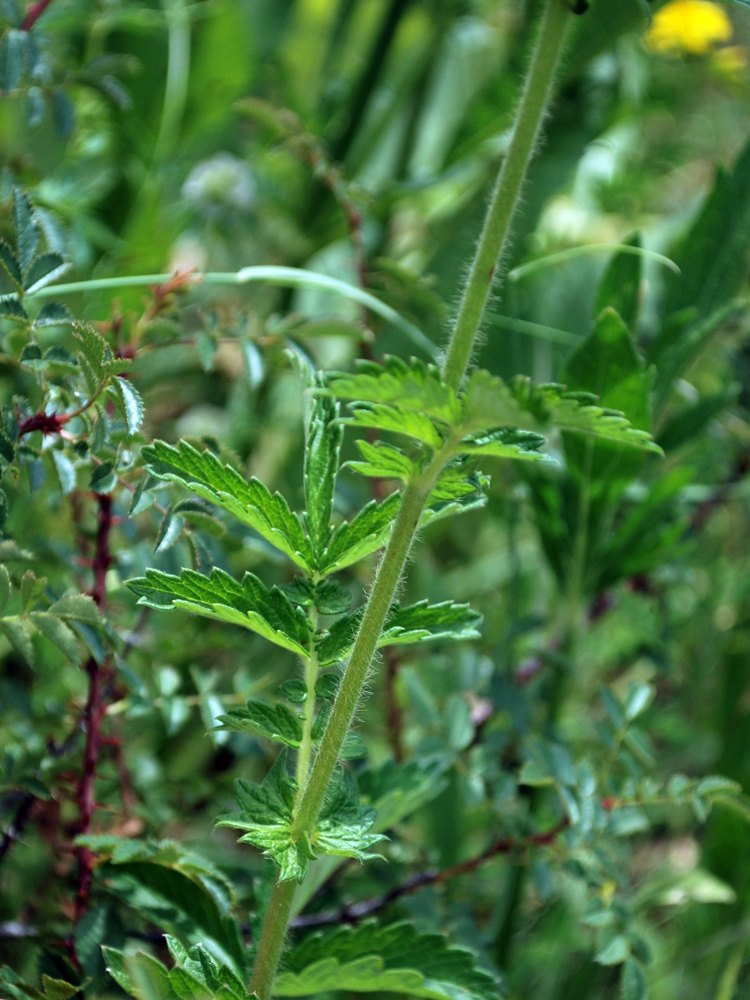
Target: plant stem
[(386, 581), (272, 938), (495, 234), (494, 237)]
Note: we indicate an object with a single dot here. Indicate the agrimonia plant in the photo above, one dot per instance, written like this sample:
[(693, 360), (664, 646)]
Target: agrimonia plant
[(428, 429)]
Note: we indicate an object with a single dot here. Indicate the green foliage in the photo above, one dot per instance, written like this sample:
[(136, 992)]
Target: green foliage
[(396, 959)]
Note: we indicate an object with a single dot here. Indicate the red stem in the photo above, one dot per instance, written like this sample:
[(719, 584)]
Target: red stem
[(93, 714), (33, 14)]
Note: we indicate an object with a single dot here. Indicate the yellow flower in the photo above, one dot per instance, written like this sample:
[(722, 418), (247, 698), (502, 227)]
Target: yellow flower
[(688, 27)]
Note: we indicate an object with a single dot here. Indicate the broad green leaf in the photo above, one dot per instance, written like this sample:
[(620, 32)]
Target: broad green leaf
[(52, 989), (364, 534), (18, 632), (409, 386), (276, 722), (322, 447), (383, 461), (76, 608), (249, 501), (66, 472), (27, 230), (394, 959), (144, 977), (385, 417), (219, 596), (420, 622), (44, 269)]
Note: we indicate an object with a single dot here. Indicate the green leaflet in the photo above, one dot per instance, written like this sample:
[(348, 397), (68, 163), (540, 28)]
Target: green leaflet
[(420, 622), (250, 502), (343, 825), (195, 976), (322, 448), (383, 461), (95, 357), (394, 959), (249, 603), (276, 722), (365, 533), (507, 442), (384, 417), (266, 817), (408, 386)]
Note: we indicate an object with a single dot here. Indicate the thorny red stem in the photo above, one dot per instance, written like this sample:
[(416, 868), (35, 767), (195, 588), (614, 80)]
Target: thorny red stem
[(93, 714), (33, 14), (47, 423)]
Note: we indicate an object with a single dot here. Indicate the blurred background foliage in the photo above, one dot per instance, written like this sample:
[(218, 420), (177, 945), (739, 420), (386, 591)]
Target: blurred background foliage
[(358, 138)]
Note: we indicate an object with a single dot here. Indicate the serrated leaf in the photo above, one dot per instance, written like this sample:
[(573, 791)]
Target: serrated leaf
[(276, 722), (27, 230), (420, 622), (77, 608), (266, 817), (394, 959), (507, 442), (368, 531), (344, 825), (384, 417), (409, 386), (44, 269), (10, 264), (144, 977), (249, 501), (322, 447), (52, 314), (383, 461), (12, 308), (219, 596), (131, 404)]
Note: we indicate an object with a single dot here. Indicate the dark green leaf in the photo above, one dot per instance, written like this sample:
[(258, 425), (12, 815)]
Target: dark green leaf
[(10, 264), (44, 269), (131, 404), (633, 981), (394, 959), (367, 532), (620, 287), (103, 478)]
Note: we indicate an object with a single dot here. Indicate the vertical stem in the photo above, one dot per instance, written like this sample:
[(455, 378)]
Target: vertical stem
[(494, 238)]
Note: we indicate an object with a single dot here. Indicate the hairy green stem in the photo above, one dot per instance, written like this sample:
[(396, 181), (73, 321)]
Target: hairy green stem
[(494, 237), (272, 937), (495, 234)]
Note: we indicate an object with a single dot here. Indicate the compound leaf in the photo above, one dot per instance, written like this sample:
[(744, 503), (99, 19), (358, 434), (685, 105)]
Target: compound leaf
[(383, 461), (385, 417)]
